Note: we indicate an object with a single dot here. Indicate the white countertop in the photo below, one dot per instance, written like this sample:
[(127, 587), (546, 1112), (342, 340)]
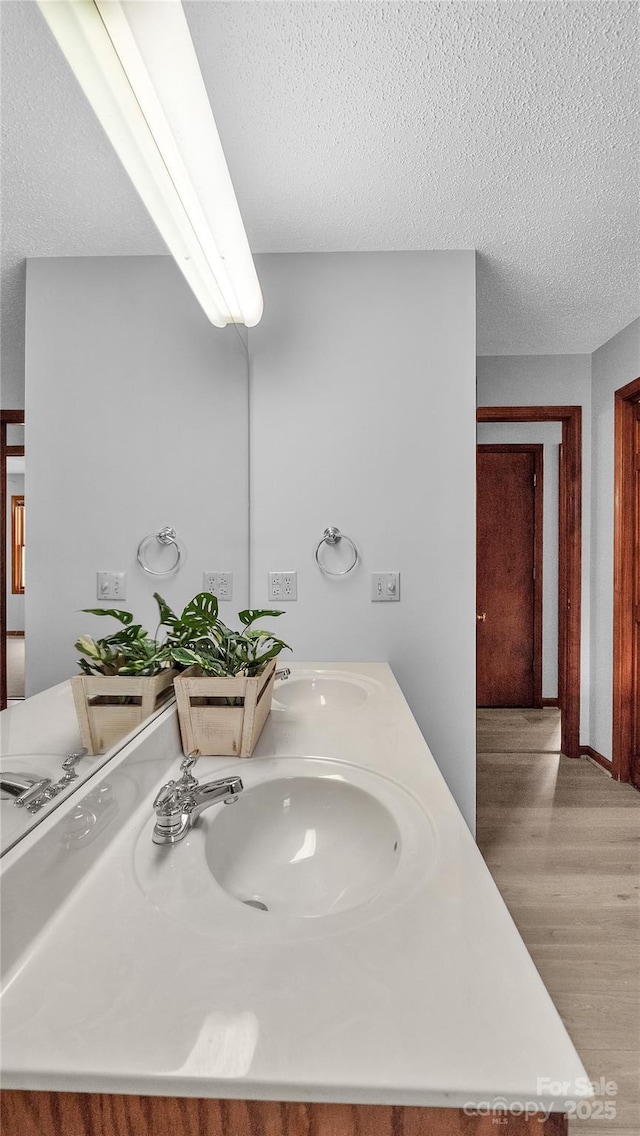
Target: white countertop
[(433, 1001)]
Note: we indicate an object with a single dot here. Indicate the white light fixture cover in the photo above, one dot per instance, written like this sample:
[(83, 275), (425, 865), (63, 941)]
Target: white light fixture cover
[(136, 63)]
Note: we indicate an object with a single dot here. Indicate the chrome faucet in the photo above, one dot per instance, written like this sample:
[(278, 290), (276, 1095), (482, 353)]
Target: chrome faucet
[(22, 787), (179, 803)]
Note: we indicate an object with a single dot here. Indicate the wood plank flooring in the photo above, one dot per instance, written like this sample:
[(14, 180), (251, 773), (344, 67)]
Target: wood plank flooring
[(562, 841), (517, 731)]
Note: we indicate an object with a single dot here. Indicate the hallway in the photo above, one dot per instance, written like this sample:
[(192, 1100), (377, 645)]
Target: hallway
[(562, 841)]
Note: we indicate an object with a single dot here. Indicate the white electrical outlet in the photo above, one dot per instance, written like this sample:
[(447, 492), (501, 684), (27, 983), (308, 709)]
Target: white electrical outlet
[(283, 586), (220, 584), (385, 587), (111, 586)]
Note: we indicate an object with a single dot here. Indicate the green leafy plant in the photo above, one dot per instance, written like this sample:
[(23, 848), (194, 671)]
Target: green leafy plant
[(198, 637), (129, 651)]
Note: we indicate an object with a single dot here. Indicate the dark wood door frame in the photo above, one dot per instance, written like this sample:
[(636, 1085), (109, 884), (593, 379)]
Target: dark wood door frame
[(570, 553), (15, 418), (624, 565), (537, 449)]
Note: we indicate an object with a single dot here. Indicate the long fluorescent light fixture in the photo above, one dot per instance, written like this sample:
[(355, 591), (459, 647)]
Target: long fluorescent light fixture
[(136, 63)]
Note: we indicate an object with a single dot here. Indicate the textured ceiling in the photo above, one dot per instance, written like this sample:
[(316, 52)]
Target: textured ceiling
[(511, 128)]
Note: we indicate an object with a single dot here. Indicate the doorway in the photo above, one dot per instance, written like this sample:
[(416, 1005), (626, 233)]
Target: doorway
[(509, 575), (569, 554), (626, 586), (12, 554)]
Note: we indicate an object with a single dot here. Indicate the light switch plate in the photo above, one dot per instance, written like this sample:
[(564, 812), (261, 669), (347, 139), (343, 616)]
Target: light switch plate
[(111, 585), (385, 587), (220, 584)]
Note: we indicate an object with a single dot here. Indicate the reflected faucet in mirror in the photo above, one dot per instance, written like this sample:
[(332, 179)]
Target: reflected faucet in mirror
[(32, 790), (22, 788)]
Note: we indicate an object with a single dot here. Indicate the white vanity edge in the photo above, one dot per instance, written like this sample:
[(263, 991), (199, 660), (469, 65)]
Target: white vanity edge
[(490, 1032)]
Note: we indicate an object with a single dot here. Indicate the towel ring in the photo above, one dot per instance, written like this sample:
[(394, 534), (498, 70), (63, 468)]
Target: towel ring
[(332, 535), (166, 536)]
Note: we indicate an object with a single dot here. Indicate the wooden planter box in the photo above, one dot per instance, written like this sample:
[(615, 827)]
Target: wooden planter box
[(209, 724), (104, 717)]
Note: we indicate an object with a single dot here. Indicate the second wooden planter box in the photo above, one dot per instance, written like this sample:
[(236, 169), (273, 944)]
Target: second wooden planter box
[(208, 722)]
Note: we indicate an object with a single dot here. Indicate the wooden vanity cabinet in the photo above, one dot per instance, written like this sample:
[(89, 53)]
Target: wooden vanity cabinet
[(105, 1114)]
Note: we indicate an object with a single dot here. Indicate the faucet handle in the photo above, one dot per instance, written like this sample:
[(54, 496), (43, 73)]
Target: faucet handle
[(188, 781), (73, 758), (167, 797), (69, 764)]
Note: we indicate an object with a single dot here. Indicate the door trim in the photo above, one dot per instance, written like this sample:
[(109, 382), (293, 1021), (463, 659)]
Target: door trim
[(15, 418), (537, 449), (569, 553), (623, 567)]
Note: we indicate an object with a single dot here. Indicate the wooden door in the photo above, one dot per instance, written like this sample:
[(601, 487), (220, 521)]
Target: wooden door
[(509, 575), (635, 751), (626, 586)]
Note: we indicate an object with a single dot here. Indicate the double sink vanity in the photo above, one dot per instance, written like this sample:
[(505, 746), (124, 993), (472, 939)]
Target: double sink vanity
[(317, 947)]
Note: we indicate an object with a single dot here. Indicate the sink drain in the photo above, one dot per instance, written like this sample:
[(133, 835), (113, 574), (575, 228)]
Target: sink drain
[(257, 903)]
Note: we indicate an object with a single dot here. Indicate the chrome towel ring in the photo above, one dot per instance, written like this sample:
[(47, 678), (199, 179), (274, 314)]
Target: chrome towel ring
[(332, 535), (167, 535)]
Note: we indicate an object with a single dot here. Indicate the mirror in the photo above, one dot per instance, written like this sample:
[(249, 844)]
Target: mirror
[(136, 419), (136, 412), (136, 407)]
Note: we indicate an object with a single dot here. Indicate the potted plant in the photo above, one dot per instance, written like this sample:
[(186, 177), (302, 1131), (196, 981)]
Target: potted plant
[(224, 694), (126, 676)]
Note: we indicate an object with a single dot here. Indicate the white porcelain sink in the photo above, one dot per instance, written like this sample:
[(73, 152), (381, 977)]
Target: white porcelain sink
[(304, 846), (324, 691), (309, 844)]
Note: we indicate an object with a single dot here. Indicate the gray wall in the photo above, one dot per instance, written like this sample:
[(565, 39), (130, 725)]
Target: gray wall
[(363, 416), (11, 361), (616, 363), (15, 604), (549, 434), (136, 411), (551, 380)]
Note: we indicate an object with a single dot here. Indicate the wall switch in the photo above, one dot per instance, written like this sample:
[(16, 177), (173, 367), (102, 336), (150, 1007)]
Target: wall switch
[(220, 584), (385, 587), (111, 586), (283, 586)]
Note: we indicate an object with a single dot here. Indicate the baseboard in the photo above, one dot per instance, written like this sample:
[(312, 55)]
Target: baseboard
[(550, 702), (15, 634), (587, 751)]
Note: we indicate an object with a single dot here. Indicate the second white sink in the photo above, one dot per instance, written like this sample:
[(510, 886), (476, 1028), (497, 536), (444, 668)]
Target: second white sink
[(318, 692)]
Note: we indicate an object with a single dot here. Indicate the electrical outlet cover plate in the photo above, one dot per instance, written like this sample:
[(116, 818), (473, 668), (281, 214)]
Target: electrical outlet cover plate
[(385, 587), (283, 586), (220, 584)]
